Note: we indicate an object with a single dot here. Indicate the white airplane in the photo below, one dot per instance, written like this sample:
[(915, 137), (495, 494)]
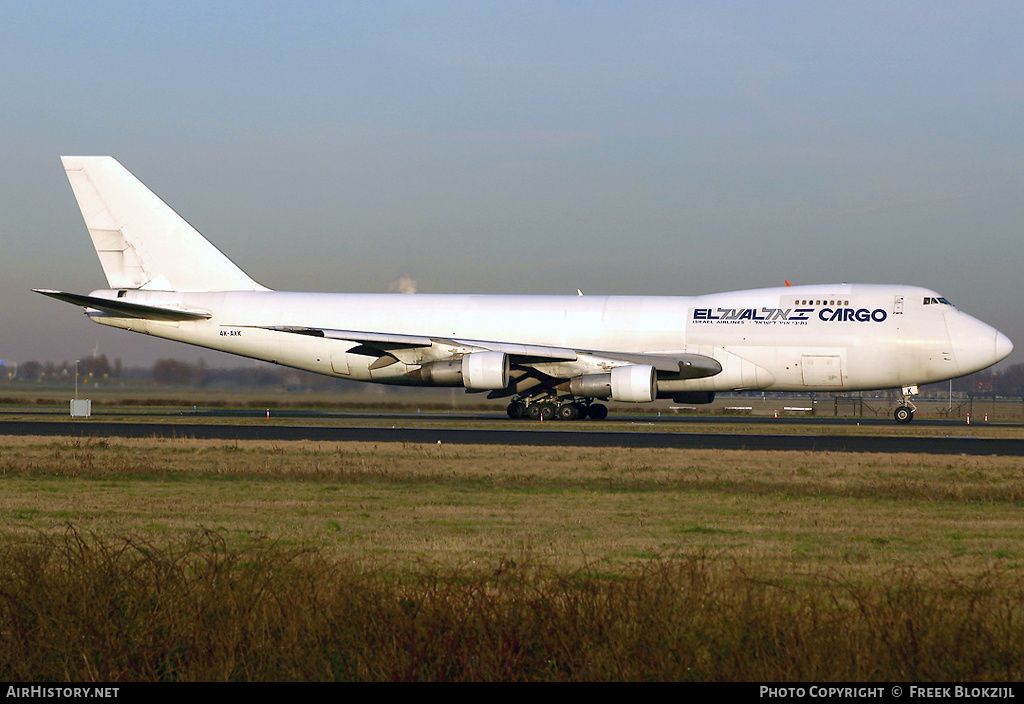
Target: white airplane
[(552, 356)]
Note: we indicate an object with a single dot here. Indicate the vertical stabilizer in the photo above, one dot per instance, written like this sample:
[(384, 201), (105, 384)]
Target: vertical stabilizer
[(141, 242)]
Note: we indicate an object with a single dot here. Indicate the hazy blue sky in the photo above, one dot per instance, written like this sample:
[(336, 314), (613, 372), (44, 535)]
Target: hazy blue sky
[(521, 147)]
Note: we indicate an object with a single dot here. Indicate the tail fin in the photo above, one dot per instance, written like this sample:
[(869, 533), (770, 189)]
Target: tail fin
[(140, 241)]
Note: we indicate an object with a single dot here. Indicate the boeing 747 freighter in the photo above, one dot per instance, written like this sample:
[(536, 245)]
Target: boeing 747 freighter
[(551, 356)]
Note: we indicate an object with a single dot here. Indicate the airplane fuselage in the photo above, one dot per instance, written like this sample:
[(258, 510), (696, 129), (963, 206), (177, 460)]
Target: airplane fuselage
[(842, 337)]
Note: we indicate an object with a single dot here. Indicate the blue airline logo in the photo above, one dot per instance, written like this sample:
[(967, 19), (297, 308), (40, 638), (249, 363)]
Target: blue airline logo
[(788, 315)]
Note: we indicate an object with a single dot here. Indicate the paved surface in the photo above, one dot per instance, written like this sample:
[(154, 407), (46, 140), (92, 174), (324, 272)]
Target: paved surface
[(550, 434)]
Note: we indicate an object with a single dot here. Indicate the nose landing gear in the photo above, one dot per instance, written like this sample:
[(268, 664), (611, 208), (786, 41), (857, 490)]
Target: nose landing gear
[(905, 411)]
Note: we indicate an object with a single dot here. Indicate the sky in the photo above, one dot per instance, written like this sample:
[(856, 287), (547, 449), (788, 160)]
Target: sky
[(641, 148)]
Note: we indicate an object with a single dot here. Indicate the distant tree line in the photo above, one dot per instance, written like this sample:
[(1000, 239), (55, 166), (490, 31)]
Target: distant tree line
[(165, 373), (174, 372), (1006, 382), (97, 367)]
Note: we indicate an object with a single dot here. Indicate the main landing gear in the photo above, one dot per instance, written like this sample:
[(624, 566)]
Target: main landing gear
[(905, 411), (566, 408)]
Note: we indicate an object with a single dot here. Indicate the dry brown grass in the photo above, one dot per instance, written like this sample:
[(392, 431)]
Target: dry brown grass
[(75, 607), (184, 559)]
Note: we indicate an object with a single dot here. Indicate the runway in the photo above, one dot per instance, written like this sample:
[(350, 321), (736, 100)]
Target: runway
[(549, 435)]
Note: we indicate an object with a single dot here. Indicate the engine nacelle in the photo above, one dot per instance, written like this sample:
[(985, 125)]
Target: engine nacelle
[(634, 383), (485, 370), (447, 372), (591, 385), (476, 370)]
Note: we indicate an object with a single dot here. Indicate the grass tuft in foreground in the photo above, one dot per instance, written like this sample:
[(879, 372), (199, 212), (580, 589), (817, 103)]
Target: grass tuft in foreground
[(77, 607)]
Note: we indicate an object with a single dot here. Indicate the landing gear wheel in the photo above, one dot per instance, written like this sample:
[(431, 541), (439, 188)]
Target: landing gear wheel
[(516, 410), (904, 414), (546, 411), (598, 411), (533, 411), (568, 411)]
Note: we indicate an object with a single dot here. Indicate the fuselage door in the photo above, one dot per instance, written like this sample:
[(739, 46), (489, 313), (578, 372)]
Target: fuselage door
[(822, 370)]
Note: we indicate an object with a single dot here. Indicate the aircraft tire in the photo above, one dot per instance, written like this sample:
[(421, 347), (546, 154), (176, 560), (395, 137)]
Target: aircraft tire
[(516, 410), (597, 411), (547, 411), (904, 414), (568, 411)]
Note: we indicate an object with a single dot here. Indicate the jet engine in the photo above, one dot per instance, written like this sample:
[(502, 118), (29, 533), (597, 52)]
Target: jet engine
[(634, 383), (476, 370)]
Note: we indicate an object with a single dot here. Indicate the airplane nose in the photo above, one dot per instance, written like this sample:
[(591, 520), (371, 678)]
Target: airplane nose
[(977, 345), (1003, 346)]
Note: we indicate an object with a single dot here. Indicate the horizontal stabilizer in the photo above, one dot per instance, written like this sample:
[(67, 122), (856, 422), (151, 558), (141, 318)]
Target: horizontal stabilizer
[(124, 309)]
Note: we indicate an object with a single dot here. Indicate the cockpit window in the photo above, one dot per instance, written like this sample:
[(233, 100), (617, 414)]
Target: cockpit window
[(933, 300)]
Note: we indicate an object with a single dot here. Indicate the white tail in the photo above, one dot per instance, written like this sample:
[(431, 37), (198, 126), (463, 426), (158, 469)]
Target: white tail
[(141, 242)]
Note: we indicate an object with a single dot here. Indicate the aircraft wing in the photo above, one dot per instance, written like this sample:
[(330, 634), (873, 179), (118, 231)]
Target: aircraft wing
[(124, 309), (416, 349)]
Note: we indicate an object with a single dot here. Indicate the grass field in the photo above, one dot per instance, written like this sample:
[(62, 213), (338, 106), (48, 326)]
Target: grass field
[(447, 504), (250, 560)]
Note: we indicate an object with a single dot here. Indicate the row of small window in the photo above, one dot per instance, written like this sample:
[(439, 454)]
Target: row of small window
[(928, 300)]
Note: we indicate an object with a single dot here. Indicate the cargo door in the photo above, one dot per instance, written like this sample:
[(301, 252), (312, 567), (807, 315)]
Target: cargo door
[(822, 371)]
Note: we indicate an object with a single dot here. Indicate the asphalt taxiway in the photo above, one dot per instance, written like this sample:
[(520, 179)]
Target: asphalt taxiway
[(552, 434)]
